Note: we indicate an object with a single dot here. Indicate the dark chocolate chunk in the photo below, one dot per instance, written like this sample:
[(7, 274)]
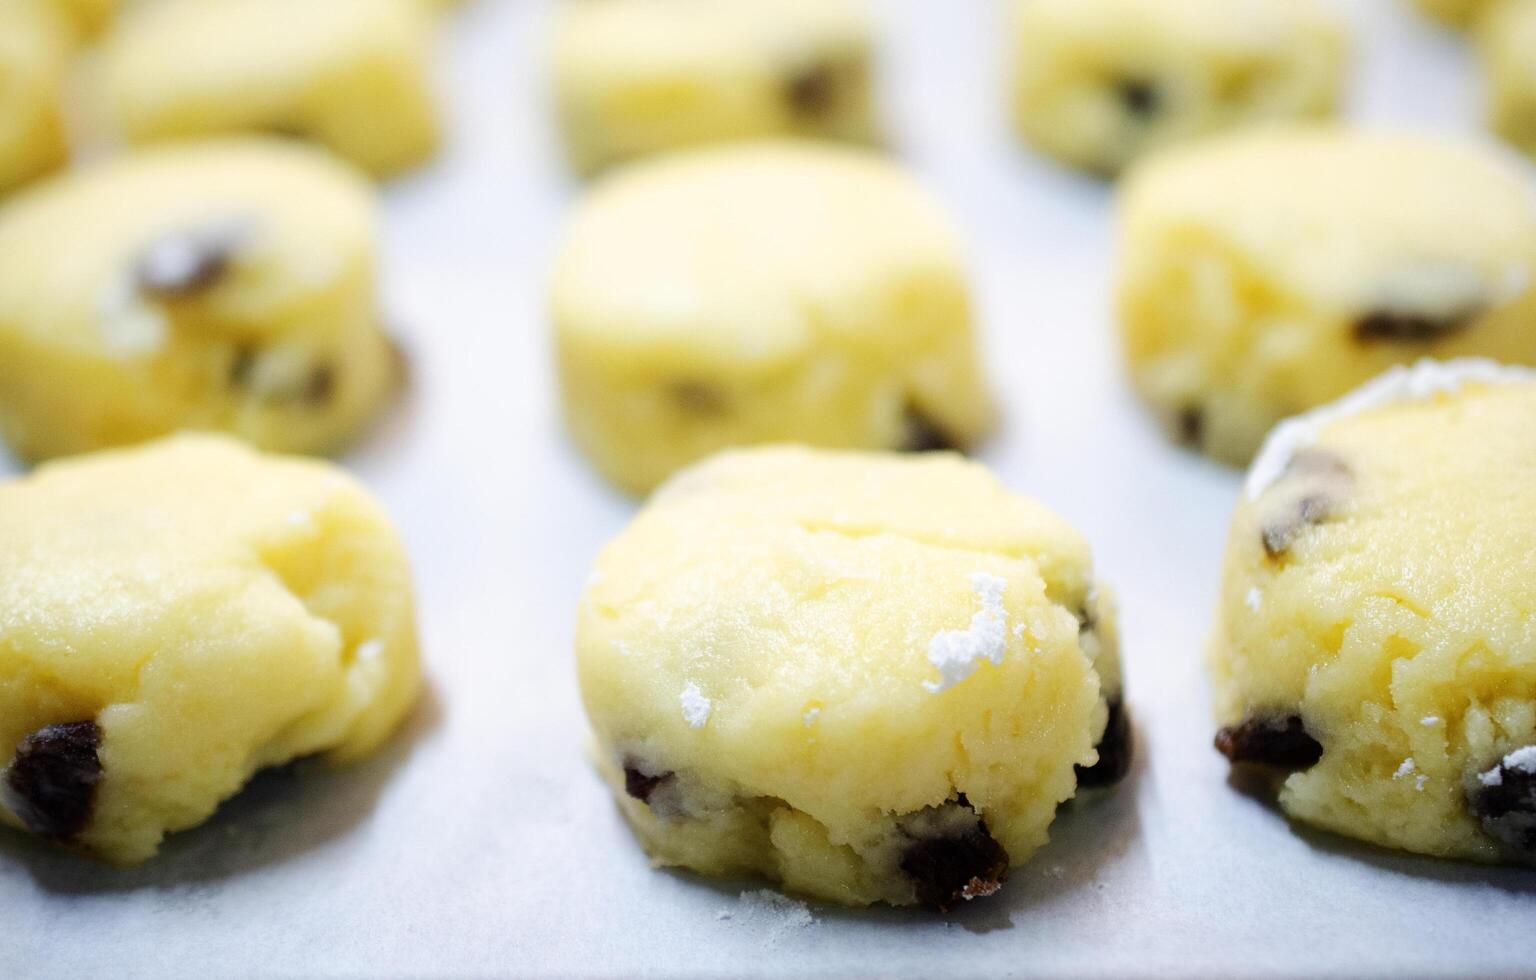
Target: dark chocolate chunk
[(1191, 426), (1401, 327), (1116, 750), (320, 385), (52, 779), (957, 866), (1504, 801), (698, 398), (1270, 741), (812, 91), (923, 436), (1310, 491), (640, 784), (1140, 97), (188, 263), (1281, 532)]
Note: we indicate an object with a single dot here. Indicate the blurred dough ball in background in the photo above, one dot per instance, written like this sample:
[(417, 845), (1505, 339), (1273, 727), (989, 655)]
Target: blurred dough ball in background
[(226, 285), (762, 292), (35, 48), (354, 75), (88, 17), (1098, 83), (1265, 273), (1458, 12), (632, 77), (1507, 40)]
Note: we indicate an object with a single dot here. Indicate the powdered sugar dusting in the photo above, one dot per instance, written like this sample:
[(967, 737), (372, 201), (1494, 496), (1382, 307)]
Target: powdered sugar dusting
[(696, 707), (958, 653), (1523, 760), (777, 916), (1430, 721), (1423, 380), (1254, 600)]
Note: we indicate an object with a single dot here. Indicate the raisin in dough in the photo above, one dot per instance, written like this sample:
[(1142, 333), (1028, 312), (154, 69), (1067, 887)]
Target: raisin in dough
[(761, 293), (226, 285), (1508, 40), (1098, 83), (1267, 273), (34, 53), (1374, 645), (868, 677), (177, 616), (633, 77), (350, 74)]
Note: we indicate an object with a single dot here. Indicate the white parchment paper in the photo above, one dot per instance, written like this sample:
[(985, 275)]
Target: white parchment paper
[(480, 843)]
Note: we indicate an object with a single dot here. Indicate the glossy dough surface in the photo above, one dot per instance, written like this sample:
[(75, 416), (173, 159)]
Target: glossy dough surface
[(1098, 83), (762, 293), (34, 53), (209, 612), (759, 652), (1265, 273), (225, 285), (633, 77), (353, 75)]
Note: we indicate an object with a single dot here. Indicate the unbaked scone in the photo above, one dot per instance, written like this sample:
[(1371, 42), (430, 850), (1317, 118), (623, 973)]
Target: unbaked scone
[(225, 285), (1265, 273), (632, 77), (759, 293), (1507, 39), (1098, 83), (868, 677), (353, 75), (177, 616), (35, 48), (1375, 647)]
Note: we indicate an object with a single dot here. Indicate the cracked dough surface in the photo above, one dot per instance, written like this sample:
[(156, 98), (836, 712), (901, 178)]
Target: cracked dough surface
[(223, 285), (1266, 273), (35, 48), (1382, 593), (759, 293), (213, 611), (353, 75), (756, 658), (634, 77)]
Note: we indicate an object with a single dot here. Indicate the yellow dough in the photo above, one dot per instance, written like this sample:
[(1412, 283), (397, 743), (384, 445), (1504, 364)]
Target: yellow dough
[(34, 55), (1098, 83), (866, 677), (353, 75), (1376, 641), (632, 77), (1265, 273), (761, 293), (1508, 44), (174, 618), (227, 285), (1458, 12), (87, 17)]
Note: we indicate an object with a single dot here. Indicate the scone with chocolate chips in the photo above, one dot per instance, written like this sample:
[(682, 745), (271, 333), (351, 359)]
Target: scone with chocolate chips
[(1266, 273), (1098, 83), (35, 47), (762, 293), (633, 77), (174, 618), (1507, 40), (1375, 647), (353, 75), (867, 677), (227, 285)]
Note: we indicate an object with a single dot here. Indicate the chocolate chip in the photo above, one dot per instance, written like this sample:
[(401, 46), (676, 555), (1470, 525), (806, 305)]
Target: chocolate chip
[(320, 385), (51, 782), (1191, 426), (958, 865), (1308, 493), (640, 784), (1504, 801), (190, 262), (1140, 97), (1270, 741), (923, 436), (1400, 327), (698, 398), (1116, 750), (812, 90), (1281, 532)]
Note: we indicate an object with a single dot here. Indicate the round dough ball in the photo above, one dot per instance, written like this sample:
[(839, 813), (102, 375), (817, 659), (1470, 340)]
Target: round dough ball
[(174, 618), (34, 55), (1375, 646), (353, 75), (1098, 83), (868, 677), (762, 293), (1266, 273), (227, 285), (633, 77), (1507, 38)]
